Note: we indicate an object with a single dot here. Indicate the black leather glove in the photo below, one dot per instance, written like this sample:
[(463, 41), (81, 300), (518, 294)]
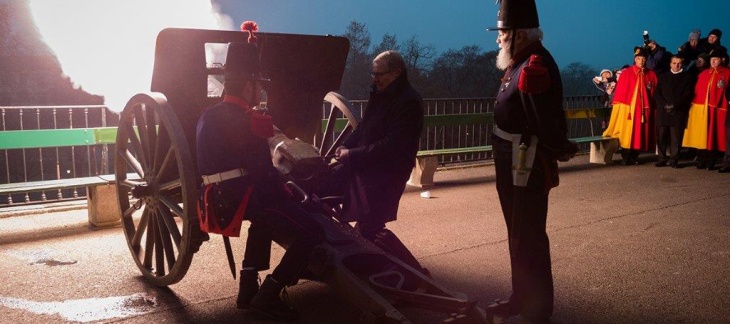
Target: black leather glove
[(567, 152)]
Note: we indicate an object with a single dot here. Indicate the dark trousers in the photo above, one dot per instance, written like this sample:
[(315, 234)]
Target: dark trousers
[(629, 155), (292, 227), (532, 281), (258, 247), (669, 138)]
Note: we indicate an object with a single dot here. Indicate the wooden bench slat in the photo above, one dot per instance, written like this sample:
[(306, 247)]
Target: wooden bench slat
[(35, 186), (458, 150), (589, 139)]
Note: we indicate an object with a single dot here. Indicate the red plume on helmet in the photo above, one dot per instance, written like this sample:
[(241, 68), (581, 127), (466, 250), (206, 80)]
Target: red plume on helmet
[(250, 27)]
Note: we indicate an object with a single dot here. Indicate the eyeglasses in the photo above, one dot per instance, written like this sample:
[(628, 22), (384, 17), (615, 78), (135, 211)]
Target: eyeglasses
[(379, 74)]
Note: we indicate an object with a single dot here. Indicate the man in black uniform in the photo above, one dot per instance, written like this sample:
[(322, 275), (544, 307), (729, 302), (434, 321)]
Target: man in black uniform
[(674, 93), (530, 136), (240, 182), (381, 153)]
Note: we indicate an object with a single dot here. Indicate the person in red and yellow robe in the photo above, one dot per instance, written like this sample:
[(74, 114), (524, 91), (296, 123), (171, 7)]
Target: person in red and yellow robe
[(632, 117), (706, 124)]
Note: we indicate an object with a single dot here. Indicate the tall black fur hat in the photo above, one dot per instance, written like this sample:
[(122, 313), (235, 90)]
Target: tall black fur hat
[(516, 14), (641, 51), (242, 59), (718, 52)]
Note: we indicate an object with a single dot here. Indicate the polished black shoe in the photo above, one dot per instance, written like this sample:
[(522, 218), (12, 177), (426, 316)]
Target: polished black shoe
[(661, 163), (674, 164), (248, 286), (700, 165), (724, 169)]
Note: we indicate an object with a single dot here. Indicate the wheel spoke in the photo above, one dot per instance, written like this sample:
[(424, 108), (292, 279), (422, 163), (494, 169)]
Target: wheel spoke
[(136, 146), (141, 228), (143, 133), (329, 129), (171, 225), (175, 208), (170, 185), (343, 135), (151, 133), (163, 142), (132, 162), (165, 240), (169, 159), (159, 248), (149, 241)]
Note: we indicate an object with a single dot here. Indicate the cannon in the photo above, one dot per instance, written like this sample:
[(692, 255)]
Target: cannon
[(157, 180)]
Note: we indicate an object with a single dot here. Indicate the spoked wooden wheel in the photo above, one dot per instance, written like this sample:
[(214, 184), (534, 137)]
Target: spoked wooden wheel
[(156, 183), (341, 108)]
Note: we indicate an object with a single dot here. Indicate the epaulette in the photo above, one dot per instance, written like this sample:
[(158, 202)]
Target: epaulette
[(535, 77)]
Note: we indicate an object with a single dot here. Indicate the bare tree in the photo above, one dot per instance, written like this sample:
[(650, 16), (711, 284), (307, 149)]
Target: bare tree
[(356, 81), (576, 78), (463, 73), (389, 42), (417, 55)]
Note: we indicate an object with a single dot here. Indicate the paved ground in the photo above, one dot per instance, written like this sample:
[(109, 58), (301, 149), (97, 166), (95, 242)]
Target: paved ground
[(630, 244)]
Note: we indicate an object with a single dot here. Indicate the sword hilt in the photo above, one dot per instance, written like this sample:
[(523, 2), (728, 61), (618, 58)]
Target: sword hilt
[(522, 158)]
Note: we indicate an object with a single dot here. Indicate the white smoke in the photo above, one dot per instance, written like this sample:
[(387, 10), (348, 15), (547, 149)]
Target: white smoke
[(107, 46)]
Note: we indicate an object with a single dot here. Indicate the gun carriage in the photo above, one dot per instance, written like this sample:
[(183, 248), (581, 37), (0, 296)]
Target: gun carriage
[(156, 144)]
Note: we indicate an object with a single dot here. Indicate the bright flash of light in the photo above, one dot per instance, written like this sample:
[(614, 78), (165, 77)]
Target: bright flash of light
[(107, 46)]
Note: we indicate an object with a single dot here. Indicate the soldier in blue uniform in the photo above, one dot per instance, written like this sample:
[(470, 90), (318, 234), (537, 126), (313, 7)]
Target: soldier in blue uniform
[(530, 136), (240, 182)]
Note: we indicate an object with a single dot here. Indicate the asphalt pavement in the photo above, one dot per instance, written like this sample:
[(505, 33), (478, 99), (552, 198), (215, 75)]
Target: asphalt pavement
[(630, 244)]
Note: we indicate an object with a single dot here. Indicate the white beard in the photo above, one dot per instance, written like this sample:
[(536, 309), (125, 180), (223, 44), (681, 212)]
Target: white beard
[(504, 57)]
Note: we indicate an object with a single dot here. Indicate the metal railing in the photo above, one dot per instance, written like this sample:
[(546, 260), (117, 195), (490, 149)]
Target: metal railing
[(55, 163), (442, 137)]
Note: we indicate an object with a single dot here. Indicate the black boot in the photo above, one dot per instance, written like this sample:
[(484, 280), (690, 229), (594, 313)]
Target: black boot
[(247, 288), (268, 302)]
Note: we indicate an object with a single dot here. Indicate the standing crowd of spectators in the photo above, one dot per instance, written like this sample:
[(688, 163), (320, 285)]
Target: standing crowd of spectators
[(672, 101)]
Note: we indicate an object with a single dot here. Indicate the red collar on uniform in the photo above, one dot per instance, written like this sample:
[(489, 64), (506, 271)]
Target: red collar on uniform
[(238, 101), (638, 69)]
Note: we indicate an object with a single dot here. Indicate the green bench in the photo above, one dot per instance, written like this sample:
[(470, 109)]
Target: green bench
[(102, 199), (601, 149), (427, 160)]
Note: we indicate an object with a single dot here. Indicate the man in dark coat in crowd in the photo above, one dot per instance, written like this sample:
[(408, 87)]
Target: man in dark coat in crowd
[(673, 96), (381, 153), (240, 182), (530, 136), (712, 43)]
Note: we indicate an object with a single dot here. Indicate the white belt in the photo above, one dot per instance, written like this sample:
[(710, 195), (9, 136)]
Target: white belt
[(503, 135), (223, 176)]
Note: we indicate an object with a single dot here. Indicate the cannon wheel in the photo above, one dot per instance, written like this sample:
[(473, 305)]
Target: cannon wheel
[(329, 143), (158, 197)]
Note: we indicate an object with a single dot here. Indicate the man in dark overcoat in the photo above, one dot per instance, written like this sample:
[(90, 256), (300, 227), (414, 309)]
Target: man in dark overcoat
[(381, 153), (673, 96), (529, 137)]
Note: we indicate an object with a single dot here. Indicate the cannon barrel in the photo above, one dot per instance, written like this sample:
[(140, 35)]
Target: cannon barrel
[(297, 160)]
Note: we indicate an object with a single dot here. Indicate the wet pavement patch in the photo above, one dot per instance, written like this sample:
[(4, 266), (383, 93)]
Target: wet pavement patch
[(52, 263), (86, 310), (40, 257)]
